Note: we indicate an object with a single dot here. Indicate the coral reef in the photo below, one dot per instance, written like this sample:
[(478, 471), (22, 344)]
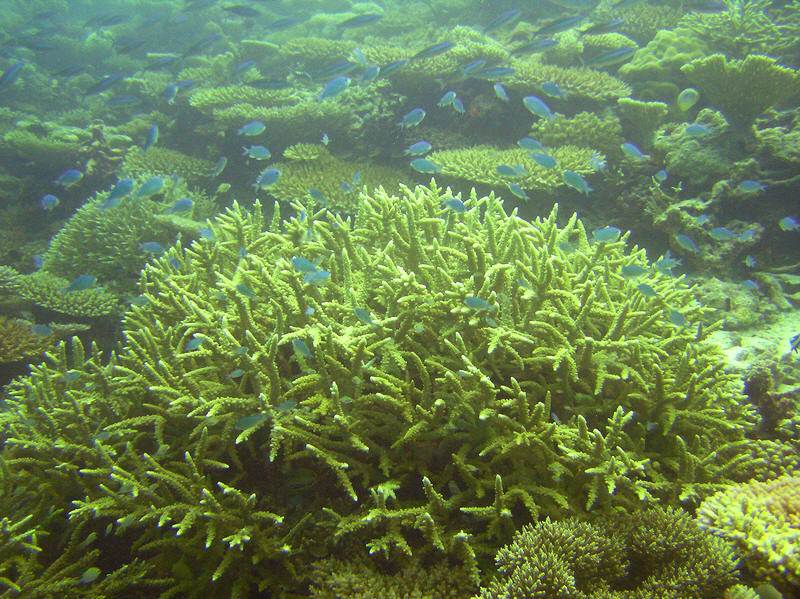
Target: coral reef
[(653, 553), (422, 383), (641, 118), (166, 162), (586, 129), (762, 519)]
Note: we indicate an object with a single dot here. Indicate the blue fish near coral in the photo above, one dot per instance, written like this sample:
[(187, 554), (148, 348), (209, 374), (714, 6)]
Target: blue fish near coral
[(722, 234), (447, 99), (150, 187), (788, 223), (455, 205), (530, 144), (299, 346), (606, 234), (412, 118), (364, 317), (418, 149), (537, 106), (425, 166), (69, 177), (334, 87), (303, 265), (252, 129), (479, 305), (48, 201), (182, 205), (686, 243), (544, 160), (267, 179), (152, 138), (256, 152), (82, 282), (575, 181), (750, 186), (633, 152), (151, 247), (316, 278)]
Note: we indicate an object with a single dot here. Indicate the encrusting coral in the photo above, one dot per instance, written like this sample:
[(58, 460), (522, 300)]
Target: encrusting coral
[(414, 382)]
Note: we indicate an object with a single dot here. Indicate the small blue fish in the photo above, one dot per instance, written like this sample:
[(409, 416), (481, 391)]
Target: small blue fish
[(82, 282), (634, 271), (356, 178), (633, 152), (252, 129), (455, 205), (492, 73), (686, 243), (299, 346), (470, 68), (334, 87), (478, 304), (182, 205), (697, 130), (575, 181), (193, 344), (240, 351), (346, 187), (152, 138), (69, 178), (661, 176), (787, 223), (205, 233), (245, 291), (544, 160), (530, 144), (151, 247), (537, 106), (303, 265), (150, 187), (750, 284), (676, 318), (722, 234), (309, 311), (268, 178), (412, 118), (447, 99), (11, 74), (518, 191), (606, 234), (370, 73), (256, 152), (418, 149), (506, 171), (425, 166), (597, 162), (247, 422), (751, 186), (458, 106), (169, 93), (41, 330), (220, 166), (750, 261), (500, 92), (687, 98), (48, 201), (551, 89), (393, 66), (122, 189), (434, 50), (317, 196), (503, 19), (235, 373), (612, 58), (646, 290), (364, 316), (316, 278), (794, 342)]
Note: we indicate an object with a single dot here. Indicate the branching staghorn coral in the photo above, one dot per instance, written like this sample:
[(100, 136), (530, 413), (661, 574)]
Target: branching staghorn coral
[(422, 383)]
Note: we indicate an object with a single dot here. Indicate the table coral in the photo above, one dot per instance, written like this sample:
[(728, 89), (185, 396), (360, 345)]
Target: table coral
[(583, 82), (742, 89)]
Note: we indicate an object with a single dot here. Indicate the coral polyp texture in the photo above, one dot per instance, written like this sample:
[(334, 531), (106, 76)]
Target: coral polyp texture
[(412, 382)]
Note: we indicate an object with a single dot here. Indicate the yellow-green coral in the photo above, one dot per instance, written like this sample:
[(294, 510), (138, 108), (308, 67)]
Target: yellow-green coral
[(653, 553), (762, 519), (17, 342), (583, 82), (50, 292), (312, 166), (663, 56), (585, 129), (166, 162), (477, 164), (446, 377), (44, 148), (742, 89), (642, 118)]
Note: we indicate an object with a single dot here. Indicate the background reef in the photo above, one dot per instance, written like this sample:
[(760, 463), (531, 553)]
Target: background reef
[(445, 299)]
